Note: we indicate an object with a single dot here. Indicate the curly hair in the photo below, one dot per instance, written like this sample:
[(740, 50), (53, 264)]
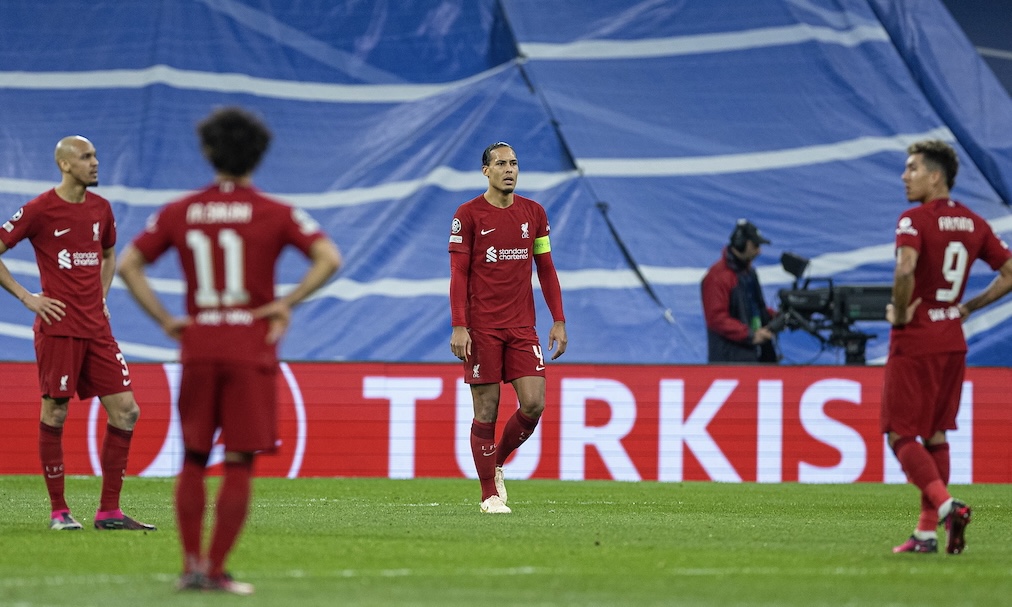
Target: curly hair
[(938, 156), (233, 140)]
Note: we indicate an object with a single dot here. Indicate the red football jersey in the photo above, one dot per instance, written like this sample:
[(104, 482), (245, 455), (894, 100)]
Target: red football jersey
[(948, 238), (500, 246), (229, 239), (68, 239)]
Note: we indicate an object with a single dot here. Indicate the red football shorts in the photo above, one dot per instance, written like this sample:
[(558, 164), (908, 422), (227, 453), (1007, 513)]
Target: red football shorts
[(502, 355), (241, 400), (920, 394), (89, 367)]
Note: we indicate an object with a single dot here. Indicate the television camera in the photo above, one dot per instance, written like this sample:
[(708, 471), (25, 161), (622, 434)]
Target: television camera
[(828, 312)]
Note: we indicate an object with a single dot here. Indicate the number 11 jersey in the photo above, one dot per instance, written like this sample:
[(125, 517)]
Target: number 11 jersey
[(229, 238)]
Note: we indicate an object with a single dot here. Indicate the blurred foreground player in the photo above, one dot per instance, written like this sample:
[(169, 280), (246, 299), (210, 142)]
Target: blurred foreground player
[(73, 232), (228, 237), (493, 240), (936, 243)]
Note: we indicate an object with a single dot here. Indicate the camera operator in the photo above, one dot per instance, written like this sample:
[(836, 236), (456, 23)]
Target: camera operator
[(733, 305)]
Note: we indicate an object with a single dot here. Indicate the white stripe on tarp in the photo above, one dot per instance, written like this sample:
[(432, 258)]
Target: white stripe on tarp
[(696, 44)]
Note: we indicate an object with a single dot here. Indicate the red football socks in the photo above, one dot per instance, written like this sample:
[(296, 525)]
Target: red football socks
[(51, 456), (230, 513), (190, 503), (483, 450), (518, 429), (940, 453), (115, 449), (929, 514), (921, 470)]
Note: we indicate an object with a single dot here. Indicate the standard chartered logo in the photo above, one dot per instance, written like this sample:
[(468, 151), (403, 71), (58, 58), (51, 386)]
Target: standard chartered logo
[(68, 260), (492, 255)]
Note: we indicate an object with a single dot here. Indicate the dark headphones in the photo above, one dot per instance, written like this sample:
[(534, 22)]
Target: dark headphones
[(739, 238)]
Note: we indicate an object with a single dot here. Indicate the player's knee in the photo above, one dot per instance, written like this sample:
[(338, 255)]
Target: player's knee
[(132, 415), (902, 441), (534, 409), (486, 408), (197, 458), (124, 414), (487, 414), (55, 417), (239, 458), (54, 411)]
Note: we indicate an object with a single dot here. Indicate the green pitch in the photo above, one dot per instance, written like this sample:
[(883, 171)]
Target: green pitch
[(424, 542)]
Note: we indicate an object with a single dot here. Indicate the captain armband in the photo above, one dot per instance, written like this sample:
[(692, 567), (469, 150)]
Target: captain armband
[(542, 245)]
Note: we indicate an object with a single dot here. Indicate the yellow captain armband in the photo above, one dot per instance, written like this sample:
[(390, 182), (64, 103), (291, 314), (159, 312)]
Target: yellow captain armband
[(542, 245)]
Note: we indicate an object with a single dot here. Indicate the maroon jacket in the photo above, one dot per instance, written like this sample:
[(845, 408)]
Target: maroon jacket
[(731, 297)]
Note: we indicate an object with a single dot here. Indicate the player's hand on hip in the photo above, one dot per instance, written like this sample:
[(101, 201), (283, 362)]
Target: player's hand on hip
[(279, 315), (460, 343), (47, 308), (891, 313), (174, 326), (557, 336)]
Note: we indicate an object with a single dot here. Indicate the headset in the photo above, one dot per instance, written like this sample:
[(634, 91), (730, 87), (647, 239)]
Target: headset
[(739, 239)]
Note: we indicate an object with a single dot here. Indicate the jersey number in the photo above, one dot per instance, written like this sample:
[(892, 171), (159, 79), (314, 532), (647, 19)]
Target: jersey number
[(541, 358), (231, 243), (953, 270)]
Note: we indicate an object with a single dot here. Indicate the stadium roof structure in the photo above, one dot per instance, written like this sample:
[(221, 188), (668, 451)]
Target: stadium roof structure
[(645, 128), (984, 23)]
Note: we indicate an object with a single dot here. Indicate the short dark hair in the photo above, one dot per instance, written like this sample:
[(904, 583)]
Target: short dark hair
[(233, 140), (938, 156), (486, 156)]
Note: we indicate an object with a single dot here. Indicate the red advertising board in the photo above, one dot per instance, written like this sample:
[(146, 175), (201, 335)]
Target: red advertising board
[(666, 423)]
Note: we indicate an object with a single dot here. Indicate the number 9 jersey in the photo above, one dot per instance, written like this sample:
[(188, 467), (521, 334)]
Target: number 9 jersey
[(948, 238), (229, 238)]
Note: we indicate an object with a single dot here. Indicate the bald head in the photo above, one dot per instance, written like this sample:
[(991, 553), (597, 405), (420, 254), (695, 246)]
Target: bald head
[(77, 160), (69, 147)]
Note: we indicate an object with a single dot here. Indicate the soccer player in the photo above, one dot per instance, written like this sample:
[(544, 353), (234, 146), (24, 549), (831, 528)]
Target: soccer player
[(73, 232), (493, 239), (936, 243), (228, 237)]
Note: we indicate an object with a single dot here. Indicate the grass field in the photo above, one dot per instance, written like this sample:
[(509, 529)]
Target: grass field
[(424, 542)]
